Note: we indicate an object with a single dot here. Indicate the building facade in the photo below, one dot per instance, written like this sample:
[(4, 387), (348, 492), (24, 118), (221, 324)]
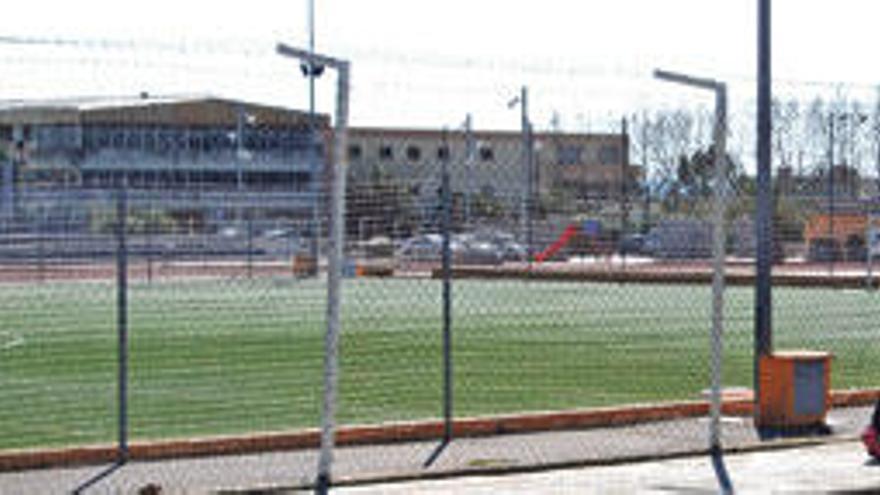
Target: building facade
[(490, 170), (206, 160), (200, 157)]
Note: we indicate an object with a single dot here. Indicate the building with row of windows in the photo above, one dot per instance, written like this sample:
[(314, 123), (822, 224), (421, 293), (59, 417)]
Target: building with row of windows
[(493, 170), (184, 153), (594, 165), (208, 158)]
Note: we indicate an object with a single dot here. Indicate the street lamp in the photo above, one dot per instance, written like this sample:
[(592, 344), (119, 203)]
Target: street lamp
[(334, 260), (312, 70), (528, 186), (720, 138), (470, 148)]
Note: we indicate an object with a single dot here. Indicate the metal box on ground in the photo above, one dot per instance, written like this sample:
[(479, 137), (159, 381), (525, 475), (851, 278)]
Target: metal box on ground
[(794, 390)]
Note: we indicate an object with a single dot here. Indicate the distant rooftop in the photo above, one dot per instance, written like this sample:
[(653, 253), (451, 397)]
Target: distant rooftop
[(148, 109)]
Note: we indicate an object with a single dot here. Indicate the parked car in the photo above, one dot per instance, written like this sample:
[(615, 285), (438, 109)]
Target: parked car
[(505, 244), (823, 249), (279, 234), (464, 249), (478, 253), (425, 247), (513, 251), (229, 232), (632, 244)]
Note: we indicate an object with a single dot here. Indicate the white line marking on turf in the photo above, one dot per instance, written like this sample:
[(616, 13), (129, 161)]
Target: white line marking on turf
[(11, 342)]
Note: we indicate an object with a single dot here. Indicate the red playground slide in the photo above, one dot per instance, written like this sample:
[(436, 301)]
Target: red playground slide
[(559, 244)]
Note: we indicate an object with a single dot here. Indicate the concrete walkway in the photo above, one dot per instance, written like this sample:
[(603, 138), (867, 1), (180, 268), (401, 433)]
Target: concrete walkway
[(570, 453), (838, 467)]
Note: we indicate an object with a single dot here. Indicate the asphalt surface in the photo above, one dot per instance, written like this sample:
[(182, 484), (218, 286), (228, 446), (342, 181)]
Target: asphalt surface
[(661, 457), (835, 468)]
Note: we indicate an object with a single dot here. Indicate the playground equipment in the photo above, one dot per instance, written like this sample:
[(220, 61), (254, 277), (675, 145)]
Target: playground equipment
[(589, 229)]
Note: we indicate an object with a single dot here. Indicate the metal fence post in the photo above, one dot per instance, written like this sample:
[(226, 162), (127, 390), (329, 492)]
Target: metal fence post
[(718, 246), (250, 243), (122, 452), (150, 226), (122, 318), (447, 297), (764, 213), (334, 285), (334, 258), (41, 244), (869, 256), (525, 205), (718, 249), (446, 262)]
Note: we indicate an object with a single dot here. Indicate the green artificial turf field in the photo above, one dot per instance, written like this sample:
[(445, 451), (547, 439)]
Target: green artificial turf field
[(237, 356)]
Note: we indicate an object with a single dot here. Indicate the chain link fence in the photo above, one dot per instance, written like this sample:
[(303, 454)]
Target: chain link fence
[(524, 296)]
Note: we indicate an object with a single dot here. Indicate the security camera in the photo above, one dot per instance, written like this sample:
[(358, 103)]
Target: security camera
[(313, 70)]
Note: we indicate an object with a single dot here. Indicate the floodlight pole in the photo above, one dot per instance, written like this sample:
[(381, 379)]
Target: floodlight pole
[(335, 254), (525, 216), (764, 200), (469, 166), (312, 72), (831, 205), (720, 164)]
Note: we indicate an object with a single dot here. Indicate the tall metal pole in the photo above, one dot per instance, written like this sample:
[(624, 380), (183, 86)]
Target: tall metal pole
[(525, 204), (831, 204), (447, 295), (718, 268), (334, 259), (122, 449), (314, 248), (646, 216), (122, 320), (469, 165), (624, 183), (334, 282), (717, 334), (869, 243), (239, 154), (764, 214)]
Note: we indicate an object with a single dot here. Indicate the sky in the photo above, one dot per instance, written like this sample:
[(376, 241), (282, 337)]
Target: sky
[(428, 64)]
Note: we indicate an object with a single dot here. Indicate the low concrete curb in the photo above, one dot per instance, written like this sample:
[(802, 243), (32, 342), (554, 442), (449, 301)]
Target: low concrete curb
[(676, 275), (397, 432)]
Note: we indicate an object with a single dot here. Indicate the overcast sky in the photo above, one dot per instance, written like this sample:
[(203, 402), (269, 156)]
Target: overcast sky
[(428, 63)]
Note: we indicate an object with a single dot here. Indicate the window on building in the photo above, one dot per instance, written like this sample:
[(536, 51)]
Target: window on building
[(150, 140), (355, 152), (609, 155), (569, 155), (55, 137), (133, 139), (273, 140), (487, 154), (386, 152), (194, 140), (102, 138), (413, 153), (443, 153)]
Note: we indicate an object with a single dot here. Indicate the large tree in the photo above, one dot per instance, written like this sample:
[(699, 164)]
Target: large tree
[(694, 183)]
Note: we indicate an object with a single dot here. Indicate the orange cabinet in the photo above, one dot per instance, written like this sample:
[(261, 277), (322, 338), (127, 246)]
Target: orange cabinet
[(794, 389)]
